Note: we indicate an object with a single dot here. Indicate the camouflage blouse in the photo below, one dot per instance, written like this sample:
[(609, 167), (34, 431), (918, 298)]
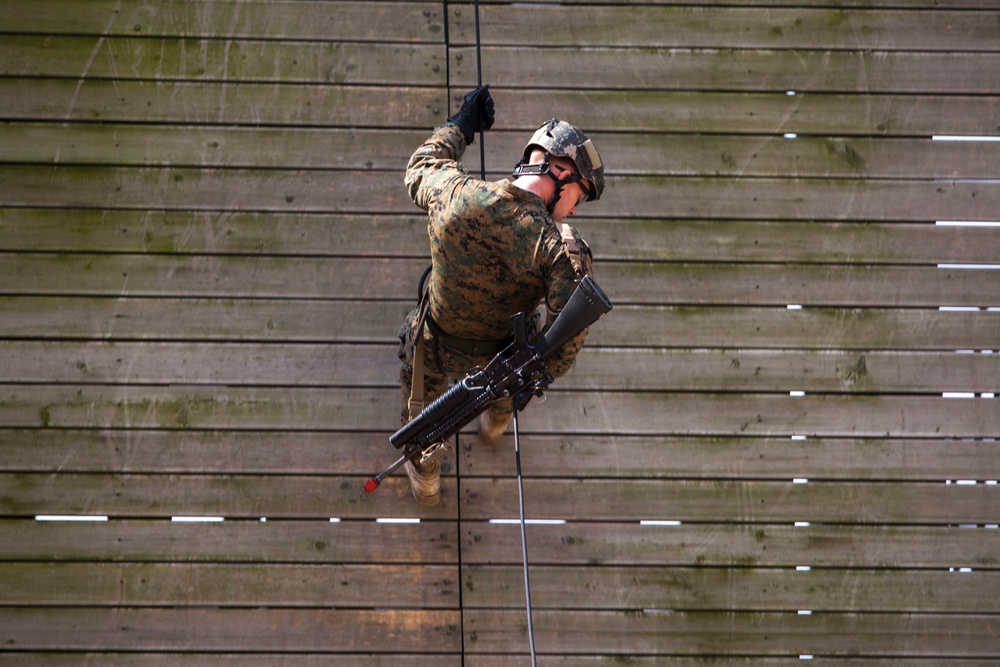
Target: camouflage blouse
[(495, 249)]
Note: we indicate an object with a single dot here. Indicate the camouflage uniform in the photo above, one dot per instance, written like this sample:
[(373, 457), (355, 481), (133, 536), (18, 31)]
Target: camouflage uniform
[(496, 252)]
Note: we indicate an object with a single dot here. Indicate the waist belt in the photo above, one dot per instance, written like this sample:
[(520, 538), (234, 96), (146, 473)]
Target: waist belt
[(468, 346)]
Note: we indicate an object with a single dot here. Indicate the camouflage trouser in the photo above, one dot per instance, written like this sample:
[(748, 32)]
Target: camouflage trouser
[(437, 358)]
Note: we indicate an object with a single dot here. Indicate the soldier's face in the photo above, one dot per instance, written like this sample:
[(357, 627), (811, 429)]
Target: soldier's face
[(571, 195)]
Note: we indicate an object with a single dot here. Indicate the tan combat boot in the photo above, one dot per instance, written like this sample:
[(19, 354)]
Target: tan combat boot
[(491, 431), (426, 482)]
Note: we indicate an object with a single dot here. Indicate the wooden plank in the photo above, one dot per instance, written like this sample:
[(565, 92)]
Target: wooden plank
[(73, 659), (215, 232), (620, 239), (212, 364), (689, 661), (228, 497), (225, 452), (812, 328), (599, 368), (318, 191), (732, 545), (723, 500), (798, 285), (230, 585), (234, 276), (254, 104), (776, 114), (230, 630), (551, 455), (332, 320), (646, 413), (654, 283), (300, 497), (206, 189), (259, 19), (726, 27), (759, 241), (42, 659), (727, 68), (229, 60), (568, 412), (389, 149), (544, 455), (347, 321), (126, 58), (210, 146), (861, 4), (733, 589), (805, 199), (758, 633), (753, 370), (224, 104), (760, 155), (270, 542)]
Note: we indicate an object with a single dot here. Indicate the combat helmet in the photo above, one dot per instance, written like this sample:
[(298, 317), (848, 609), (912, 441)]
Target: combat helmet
[(559, 138)]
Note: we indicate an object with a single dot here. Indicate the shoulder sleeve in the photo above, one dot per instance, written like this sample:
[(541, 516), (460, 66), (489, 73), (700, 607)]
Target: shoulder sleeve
[(435, 164)]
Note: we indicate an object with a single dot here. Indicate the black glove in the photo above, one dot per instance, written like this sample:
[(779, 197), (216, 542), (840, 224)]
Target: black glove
[(477, 113)]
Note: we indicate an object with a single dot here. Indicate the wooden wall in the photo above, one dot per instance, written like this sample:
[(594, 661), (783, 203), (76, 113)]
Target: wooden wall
[(779, 446)]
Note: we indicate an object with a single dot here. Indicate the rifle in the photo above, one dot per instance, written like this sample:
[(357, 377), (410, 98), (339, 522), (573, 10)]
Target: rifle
[(517, 371)]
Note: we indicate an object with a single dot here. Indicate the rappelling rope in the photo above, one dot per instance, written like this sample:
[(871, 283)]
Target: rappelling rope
[(517, 444)]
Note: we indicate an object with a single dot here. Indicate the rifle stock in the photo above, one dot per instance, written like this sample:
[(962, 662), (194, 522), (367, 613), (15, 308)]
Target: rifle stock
[(587, 304)]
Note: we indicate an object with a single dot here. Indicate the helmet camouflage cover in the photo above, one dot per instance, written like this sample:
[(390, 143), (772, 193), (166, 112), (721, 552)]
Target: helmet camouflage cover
[(559, 138)]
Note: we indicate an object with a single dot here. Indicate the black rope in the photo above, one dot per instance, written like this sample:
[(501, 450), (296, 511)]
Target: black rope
[(479, 84), (517, 444), (524, 541)]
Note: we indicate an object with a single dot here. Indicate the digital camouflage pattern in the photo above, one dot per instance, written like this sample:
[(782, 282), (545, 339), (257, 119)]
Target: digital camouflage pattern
[(496, 252)]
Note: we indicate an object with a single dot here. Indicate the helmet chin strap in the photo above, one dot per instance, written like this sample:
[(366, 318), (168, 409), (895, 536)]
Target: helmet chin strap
[(522, 169)]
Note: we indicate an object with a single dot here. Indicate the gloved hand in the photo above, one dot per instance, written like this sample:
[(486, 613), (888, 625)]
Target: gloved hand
[(477, 113)]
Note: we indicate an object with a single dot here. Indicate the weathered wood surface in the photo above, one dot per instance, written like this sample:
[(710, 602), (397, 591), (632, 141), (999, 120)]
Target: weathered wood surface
[(231, 630), (436, 587), (717, 661), (197, 659), (290, 20), (756, 633), (235, 60), (726, 27), (213, 103), (300, 497), (352, 321), (288, 542), (732, 544), (317, 191), (754, 502), (378, 236), (206, 250), (388, 150), (736, 589), (229, 496), (568, 412), (815, 70), (229, 585), (400, 660), (411, 108), (229, 60), (653, 283), (544, 455), (610, 369)]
